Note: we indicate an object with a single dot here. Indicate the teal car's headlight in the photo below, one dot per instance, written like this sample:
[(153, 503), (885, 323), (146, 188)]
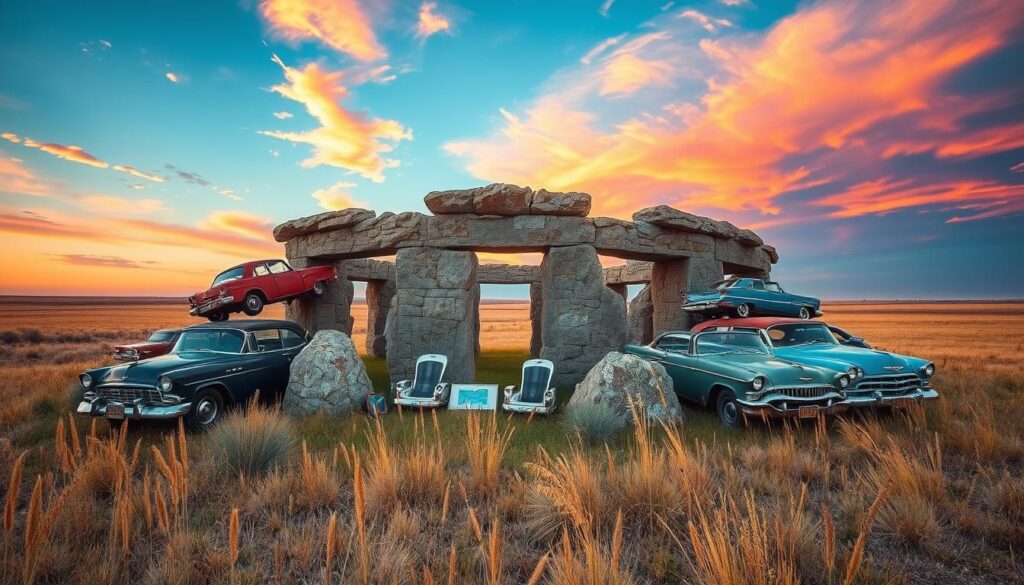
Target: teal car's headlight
[(86, 381), (852, 373), (165, 383), (928, 370), (758, 383), (843, 381)]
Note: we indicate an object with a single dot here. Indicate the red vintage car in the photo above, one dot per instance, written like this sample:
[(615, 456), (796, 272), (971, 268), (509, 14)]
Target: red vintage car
[(248, 287), (158, 343)]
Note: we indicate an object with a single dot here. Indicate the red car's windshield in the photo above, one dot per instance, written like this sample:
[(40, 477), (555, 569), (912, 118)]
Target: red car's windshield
[(161, 336), (232, 274)]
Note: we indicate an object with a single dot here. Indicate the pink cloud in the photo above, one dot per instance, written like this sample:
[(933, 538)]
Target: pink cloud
[(342, 25), (431, 22)]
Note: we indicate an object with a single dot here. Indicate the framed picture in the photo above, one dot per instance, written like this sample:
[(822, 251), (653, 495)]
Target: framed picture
[(474, 397)]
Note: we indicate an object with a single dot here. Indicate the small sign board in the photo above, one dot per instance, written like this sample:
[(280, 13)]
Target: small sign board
[(474, 397)]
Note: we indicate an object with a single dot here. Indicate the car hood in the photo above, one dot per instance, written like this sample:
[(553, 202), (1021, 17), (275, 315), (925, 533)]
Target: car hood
[(780, 372), (176, 365), (142, 345), (202, 296), (841, 357)]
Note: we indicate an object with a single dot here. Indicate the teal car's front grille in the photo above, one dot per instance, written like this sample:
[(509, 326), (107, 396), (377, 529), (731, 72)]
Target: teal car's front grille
[(126, 393), (804, 391), (888, 384)]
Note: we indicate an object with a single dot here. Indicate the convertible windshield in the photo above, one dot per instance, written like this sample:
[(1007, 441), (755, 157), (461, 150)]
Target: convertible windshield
[(219, 340), (730, 342), (723, 284), (800, 334), (161, 336), (232, 274)]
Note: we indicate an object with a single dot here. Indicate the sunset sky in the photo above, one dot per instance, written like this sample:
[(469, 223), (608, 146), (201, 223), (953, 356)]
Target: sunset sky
[(879, 146)]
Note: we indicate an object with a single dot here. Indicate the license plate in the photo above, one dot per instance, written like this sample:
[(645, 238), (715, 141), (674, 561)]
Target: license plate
[(115, 411), (807, 412), (902, 403)]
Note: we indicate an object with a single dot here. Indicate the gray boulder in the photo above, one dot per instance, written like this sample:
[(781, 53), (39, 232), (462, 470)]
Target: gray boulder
[(327, 376), (620, 376)]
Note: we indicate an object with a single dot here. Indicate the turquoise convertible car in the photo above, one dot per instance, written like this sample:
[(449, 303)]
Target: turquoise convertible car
[(879, 378), (735, 373)]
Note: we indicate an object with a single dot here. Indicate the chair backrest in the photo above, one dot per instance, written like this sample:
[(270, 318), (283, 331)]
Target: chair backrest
[(536, 380), (429, 373)]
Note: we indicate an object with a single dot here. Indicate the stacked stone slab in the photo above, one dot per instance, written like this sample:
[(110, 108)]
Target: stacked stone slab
[(433, 311), (576, 318)]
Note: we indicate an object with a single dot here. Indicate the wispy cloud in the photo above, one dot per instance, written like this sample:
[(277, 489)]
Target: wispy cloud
[(340, 24), (338, 196), (708, 23), (431, 21), (283, 115), (79, 155), (137, 173), (101, 261), (606, 6), (344, 139), (16, 178), (601, 48), (175, 78)]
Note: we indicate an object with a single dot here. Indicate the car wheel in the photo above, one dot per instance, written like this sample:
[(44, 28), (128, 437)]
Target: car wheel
[(218, 316), (319, 288), (805, 313), (207, 408), (743, 310), (253, 304), (729, 410)]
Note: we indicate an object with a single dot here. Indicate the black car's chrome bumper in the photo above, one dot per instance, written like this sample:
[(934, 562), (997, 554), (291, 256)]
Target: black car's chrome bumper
[(211, 305), (136, 410)]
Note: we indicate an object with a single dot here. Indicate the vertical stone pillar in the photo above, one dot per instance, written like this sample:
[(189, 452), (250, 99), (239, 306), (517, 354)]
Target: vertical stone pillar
[(433, 311), (536, 318), (333, 310), (476, 332), (582, 319), (670, 280), (378, 302), (641, 317)]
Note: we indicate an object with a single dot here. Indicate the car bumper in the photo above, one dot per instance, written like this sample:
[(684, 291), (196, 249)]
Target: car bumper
[(876, 399), (211, 305), (126, 356), (701, 306), (528, 407), (792, 409), (134, 410), (421, 402)]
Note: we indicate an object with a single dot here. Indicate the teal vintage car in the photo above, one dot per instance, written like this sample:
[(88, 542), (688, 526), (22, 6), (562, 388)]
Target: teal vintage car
[(736, 373), (743, 297), (878, 378)]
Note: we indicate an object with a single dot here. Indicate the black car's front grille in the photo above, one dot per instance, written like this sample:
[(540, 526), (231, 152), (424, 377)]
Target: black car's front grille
[(888, 384), (804, 391), (125, 393)]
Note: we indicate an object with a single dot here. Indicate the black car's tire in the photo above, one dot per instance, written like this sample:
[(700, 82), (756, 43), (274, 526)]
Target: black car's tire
[(253, 304), (743, 310), (805, 313), (207, 409), (319, 288), (218, 316), (729, 410)]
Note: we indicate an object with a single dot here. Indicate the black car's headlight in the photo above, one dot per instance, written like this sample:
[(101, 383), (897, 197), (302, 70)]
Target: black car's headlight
[(165, 383), (843, 381), (86, 380), (758, 383), (928, 370)]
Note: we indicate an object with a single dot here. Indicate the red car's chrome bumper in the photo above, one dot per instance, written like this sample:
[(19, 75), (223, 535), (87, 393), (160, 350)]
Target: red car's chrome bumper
[(211, 305)]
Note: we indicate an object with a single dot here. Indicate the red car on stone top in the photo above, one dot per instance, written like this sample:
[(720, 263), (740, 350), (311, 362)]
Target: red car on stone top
[(249, 287), (158, 343)]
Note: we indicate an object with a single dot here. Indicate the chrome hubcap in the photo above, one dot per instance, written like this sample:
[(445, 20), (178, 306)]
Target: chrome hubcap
[(729, 410), (253, 303), (206, 411), (743, 310), (318, 288), (805, 314)]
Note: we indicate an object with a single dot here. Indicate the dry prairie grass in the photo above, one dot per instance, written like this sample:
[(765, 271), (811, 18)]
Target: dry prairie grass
[(933, 495)]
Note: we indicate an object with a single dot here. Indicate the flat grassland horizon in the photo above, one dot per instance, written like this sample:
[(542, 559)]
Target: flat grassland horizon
[(933, 494)]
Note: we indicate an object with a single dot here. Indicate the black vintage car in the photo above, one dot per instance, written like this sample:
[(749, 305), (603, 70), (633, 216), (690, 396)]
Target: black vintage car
[(212, 366)]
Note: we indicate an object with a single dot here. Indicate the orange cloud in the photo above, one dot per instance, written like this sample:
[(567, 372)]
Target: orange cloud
[(887, 195), (174, 77), (340, 24), (337, 196), (822, 94), (18, 179), (73, 154), (430, 22), (708, 23), (626, 73), (101, 261), (137, 173), (345, 139), (107, 203)]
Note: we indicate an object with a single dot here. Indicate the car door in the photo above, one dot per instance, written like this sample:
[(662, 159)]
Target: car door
[(760, 298), (268, 363), (289, 282), (265, 281), (776, 300), (673, 354)]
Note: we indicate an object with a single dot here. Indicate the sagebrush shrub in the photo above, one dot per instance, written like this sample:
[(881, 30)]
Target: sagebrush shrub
[(594, 423), (252, 441)]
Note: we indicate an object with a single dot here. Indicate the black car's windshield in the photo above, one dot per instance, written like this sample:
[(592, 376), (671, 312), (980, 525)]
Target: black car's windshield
[(730, 342), (723, 284), (800, 334), (232, 274), (161, 336), (219, 340)]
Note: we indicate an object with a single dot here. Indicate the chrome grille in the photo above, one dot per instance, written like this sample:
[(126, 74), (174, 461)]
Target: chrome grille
[(127, 394), (894, 384), (804, 391)]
